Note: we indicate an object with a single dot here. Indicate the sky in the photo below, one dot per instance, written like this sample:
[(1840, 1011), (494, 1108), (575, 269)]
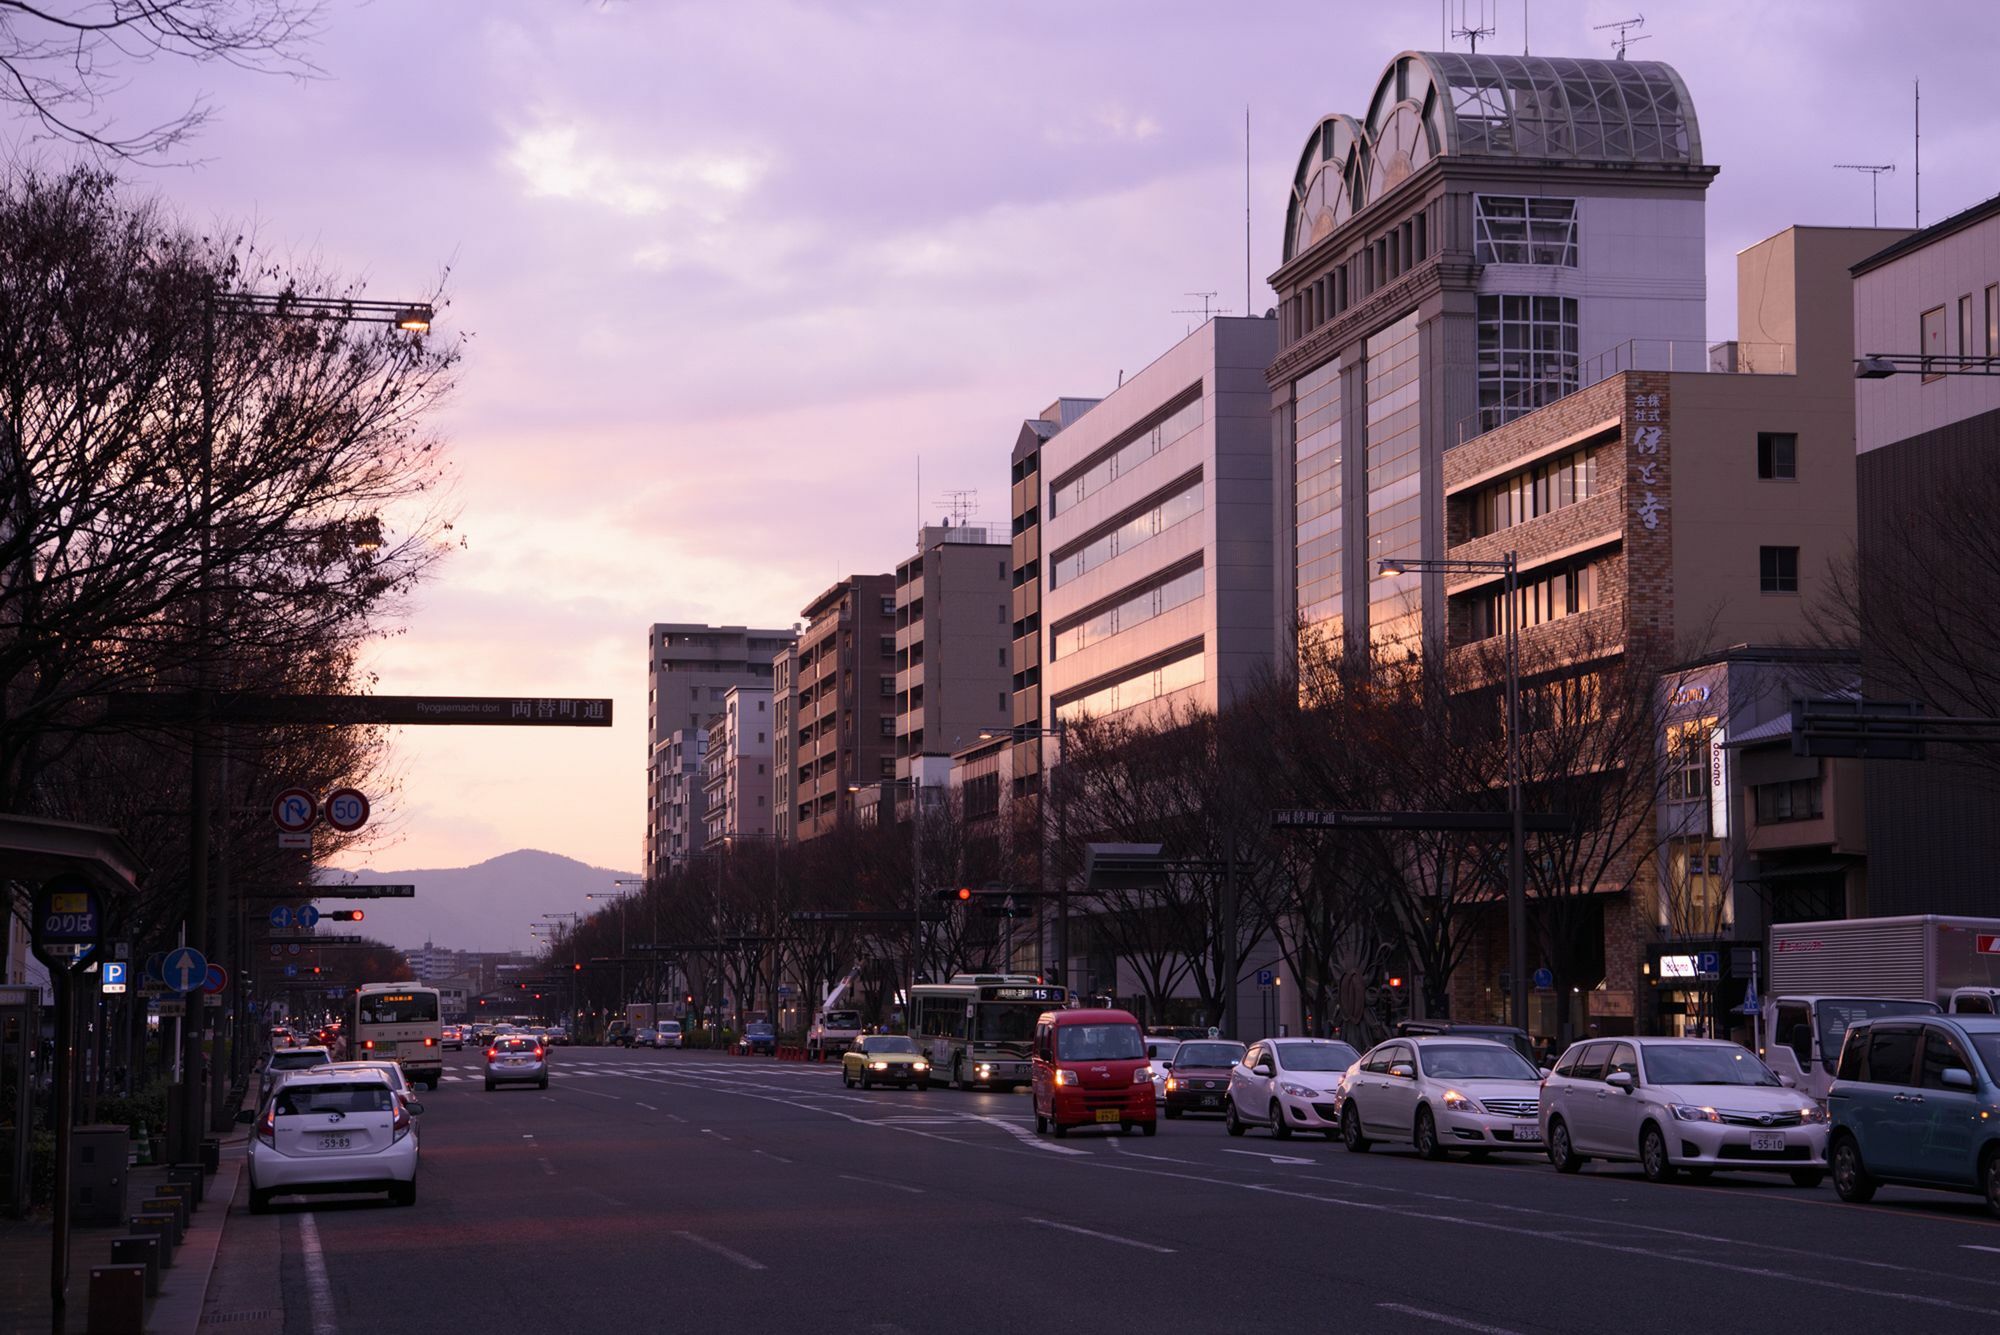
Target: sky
[(731, 275)]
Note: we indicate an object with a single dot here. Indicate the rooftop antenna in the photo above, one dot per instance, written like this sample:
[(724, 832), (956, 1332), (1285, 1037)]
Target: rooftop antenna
[(959, 507), (1209, 310), (1624, 37), (1471, 31), (1874, 182), (1917, 86), (1246, 208)]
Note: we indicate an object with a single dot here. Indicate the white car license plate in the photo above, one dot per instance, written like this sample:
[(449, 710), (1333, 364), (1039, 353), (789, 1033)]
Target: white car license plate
[(1527, 1131), (335, 1143), (1767, 1142), (1211, 1101)]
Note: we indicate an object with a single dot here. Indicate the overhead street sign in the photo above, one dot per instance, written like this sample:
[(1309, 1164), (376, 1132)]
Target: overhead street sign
[(306, 916), (216, 980), (334, 892), (281, 917), (1494, 822), (341, 710), (67, 921), (887, 915)]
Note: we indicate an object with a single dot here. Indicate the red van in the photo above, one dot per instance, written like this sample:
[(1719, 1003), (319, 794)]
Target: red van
[(1090, 1068)]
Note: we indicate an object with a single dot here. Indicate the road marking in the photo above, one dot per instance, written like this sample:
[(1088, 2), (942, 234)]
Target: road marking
[(717, 1134), (877, 1182), (715, 1247), (1444, 1320), (547, 1167), (768, 1155), (1106, 1237), (319, 1289), (647, 1106), (526, 1136), (1975, 1247), (1026, 1135), (1274, 1158), (595, 1095)]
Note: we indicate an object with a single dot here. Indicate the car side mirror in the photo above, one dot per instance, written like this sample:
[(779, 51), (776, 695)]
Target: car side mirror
[(1957, 1078), (416, 1108), (1265, 1068), (1788, 1080), (1621, 1080), (1403, 1071), (1547, 1072)]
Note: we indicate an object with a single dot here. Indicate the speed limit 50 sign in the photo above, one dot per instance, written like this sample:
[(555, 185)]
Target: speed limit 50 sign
[(346, 809)]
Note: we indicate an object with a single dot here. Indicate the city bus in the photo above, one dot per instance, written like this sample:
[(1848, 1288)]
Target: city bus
[(398, 1022), (978, 1029)]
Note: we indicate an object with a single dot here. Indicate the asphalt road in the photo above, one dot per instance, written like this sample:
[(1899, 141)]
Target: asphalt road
[(681, 1192)]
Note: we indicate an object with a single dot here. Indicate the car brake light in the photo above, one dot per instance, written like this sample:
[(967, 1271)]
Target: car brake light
[(538, 1052), (491, 1053), (400, 1123), (267, 1127), (430, 1042)]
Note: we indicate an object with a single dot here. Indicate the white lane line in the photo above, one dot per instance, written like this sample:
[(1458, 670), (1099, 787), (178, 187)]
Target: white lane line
[(1026, 1135), (1106, 1237), (319, 1289), (1274, 1158), (1443, 1320), (595, 1095), (1975, 1247), (672, 1117), (717, 1134), (768, 1155), (547, 1167), (878, 1182), (1164, 1158), (716, 1247), (647, 1106), (526, 1136)]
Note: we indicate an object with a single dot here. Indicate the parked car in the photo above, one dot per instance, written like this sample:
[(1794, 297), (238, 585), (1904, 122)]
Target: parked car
[(1517, 1039), (333, 1131), (1288, 1084), (1160, 1051), (287, 1062), (1698, 1104), (884, 1059), (1089, 1068), (515, 1059), (667, 1034), (1916, 1103), (1198, 1076), (1441, 1094), (758, 1036)]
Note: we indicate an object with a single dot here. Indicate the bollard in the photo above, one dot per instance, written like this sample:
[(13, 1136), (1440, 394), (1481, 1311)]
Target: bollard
[(167, 1213), (189, 1173), (161, 1230), (179, 1191), (211, 1156), (140, 1251), (173, 1205), (117, 1300)]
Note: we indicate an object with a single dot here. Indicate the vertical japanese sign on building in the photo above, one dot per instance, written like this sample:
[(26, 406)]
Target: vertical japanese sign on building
[(1646, 416)]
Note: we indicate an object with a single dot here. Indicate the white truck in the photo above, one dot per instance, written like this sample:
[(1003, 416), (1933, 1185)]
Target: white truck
[(639, 1024), (834, 1027), (1825, 976)]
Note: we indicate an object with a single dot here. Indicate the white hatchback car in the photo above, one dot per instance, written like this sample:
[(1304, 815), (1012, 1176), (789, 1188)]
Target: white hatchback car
[(336, 1131), (1442, 1094), (1673, 1104), (1160, 1052), (1288, 1085)]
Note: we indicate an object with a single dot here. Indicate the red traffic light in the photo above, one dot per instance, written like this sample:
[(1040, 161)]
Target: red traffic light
[(576, 968), (315, 968), (964, 893), (344, 915), (1395, 980)]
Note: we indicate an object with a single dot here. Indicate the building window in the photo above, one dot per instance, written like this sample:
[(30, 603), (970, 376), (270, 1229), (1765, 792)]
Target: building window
[(1543, 489), (888, 685), (1688, 760), (1136, 690), (1134, 531), (1965, 325), (1992, 348), (1930, 339), (1316, 449), (1071, 489), (888, 725), (888, 605), (1779, 802), (1549, 595), (1156, 601), (1511, 229), (1778, 569), (1527, 355), (1778, 455)]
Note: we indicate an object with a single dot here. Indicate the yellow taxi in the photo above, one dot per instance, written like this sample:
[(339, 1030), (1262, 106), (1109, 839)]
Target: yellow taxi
[(889, 1059)]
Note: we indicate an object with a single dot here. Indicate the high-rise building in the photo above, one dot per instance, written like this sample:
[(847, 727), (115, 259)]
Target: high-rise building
[(842, 702), (736, 768), (953, 632), (691, 668), (1026, 655), (1497, 231)]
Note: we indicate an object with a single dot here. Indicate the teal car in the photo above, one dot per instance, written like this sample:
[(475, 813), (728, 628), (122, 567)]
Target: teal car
[(1915, 1102)]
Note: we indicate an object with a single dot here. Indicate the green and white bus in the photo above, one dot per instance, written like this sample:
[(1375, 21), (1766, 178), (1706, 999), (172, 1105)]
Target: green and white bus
[(398, 1022), (978, 1029)]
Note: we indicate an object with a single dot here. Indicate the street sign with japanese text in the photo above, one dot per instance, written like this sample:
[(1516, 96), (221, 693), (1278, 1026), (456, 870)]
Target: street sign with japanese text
[(67, 921)]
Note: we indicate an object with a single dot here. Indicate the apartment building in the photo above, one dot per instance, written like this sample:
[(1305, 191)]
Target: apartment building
[(784, 740), (691, 667), (1155, 530), (842, 701), (954, 631), (1025, 506), (736, 768), (681, 816), (1927, 316)]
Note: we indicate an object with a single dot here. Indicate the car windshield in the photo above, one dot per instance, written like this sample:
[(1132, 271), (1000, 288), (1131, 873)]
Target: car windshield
[(1836, 1014), (370, 1097), (888, 1043), (513, 1044), (670, 1026), (1475, 1061), (298, 1061), (398, 1007), (1703, 1064), (1099, 1042), (843, 1019), (1208, 1054), (1988, 1047), (1010, 1022), (1321, 1056)]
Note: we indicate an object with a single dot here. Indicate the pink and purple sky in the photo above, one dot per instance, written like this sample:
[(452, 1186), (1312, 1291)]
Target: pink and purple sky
[(730, 268)]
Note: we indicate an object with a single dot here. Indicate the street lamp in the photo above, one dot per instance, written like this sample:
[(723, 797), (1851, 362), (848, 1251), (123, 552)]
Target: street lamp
[(1509, 568), (1060, 732)]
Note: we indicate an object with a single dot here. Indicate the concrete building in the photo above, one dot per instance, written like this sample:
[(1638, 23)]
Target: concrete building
[(1496, 232), (784, 740), (953, 634), (682, 810), (1156, 534), (1025, 506), (736, 768), (1928, 462), (691, 667), (842, 702)]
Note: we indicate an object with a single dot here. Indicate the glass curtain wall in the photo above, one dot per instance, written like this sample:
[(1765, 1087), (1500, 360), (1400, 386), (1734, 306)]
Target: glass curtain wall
[(1317, 450), (1395, 490)]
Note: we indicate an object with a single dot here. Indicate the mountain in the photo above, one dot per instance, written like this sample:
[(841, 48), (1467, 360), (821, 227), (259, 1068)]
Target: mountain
[(482, 907)]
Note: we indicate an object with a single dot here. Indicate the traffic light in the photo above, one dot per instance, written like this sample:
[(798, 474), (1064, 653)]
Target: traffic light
[(344, 915), (315, 968), (576, 968), (964, 894)]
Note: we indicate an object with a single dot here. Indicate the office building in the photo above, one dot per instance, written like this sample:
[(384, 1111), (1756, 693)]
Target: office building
[(736, 768), (842, 701), (953, 634)]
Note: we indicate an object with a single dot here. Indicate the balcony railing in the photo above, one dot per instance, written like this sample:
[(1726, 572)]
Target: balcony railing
[(1635, 354)]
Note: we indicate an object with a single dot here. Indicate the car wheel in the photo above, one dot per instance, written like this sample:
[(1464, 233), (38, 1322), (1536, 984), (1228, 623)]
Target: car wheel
[(845, 1078), (544, 1083), (1425, 1137), (1350, 1129), (1653, 1155), (1230, 1121), (1149, 1128), (923, 1085), (260, 1201), (1561, 1153), (1279, 1126), (403, 1193), (489, 1086), (1173, 1111), (866, 1081), (1041, 1125), (1993, 1181), (1808, 1177), (1060, 1130), (1850, 1178)]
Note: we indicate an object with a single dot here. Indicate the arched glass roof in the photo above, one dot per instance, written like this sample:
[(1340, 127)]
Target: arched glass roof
[(1431, 103)]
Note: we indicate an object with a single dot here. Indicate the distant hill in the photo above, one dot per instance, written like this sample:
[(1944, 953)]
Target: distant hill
[(483, 907)]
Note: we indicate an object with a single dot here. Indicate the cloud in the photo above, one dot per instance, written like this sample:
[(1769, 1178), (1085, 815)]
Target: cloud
[(555, 163)]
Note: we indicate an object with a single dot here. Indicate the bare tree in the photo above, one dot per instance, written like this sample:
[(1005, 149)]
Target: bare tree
[(63, 61)]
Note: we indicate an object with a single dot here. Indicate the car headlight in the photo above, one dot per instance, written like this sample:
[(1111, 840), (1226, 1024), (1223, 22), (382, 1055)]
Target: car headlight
[(878, 1066), (1172, 1084), (1688, 1113), (1300, 1091), (1066, 1078), (920, 1066), (1458, 1102), (1816, 1113)]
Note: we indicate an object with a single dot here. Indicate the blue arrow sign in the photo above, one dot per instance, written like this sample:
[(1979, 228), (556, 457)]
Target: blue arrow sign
[(185, 969), (305, 915), (291, 971), (281, 917), (155, 962)]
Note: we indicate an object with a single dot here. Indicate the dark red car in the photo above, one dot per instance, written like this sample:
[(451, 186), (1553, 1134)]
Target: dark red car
[(1198, 1076)]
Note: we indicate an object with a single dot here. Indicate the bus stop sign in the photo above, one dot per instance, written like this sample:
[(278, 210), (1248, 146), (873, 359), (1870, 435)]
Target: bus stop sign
[(68, 922)]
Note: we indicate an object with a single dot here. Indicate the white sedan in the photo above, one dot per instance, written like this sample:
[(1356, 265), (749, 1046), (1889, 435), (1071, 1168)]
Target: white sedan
[(339, 1131), (1288, 1085), (1442, 1094)]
